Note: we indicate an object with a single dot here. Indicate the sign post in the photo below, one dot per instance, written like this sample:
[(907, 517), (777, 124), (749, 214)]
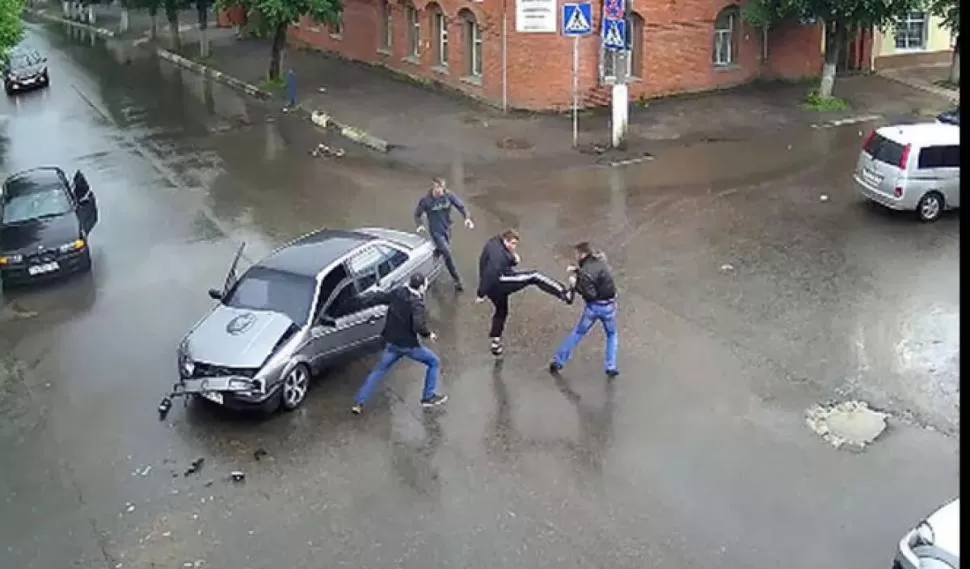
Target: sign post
[(614, 37), (576, 22)]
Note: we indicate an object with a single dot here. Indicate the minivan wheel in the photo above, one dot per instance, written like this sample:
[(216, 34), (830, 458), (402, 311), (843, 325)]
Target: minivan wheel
[(294, 388), (930, 207)]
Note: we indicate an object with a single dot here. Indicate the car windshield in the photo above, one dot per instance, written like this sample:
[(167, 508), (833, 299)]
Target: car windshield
[(27, 198), (265, 289), (24, 59)]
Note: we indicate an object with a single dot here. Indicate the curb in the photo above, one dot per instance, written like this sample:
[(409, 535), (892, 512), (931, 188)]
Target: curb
[(325, 121), (57, 19), (948, 94), (848, 120), (219, 76)]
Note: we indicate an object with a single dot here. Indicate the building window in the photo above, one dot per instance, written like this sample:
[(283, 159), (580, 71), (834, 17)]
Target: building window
[(911, 31), (387, 26), (439, 25), (473, 46), (414, 31), (634, 57), (726, 36)]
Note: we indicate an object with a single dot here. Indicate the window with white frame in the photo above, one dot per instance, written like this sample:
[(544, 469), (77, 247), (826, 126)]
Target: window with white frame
[(726, 36), (473, 46), (387, 26), (414, 31), (440, 27), (911, 31), (634, 57)]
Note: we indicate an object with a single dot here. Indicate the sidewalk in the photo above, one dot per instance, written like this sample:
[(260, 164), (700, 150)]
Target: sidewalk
[(933, 79)]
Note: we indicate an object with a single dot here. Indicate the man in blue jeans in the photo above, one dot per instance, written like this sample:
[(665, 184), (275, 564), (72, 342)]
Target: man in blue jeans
[(436, 206), (593, 281), (406, 320)]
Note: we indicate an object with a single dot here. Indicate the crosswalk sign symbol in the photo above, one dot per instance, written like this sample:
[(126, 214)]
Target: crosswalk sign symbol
[(577, 19), (614, 35)]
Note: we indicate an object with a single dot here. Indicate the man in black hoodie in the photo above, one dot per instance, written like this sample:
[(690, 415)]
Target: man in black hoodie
[(406, 320), (498, 279)]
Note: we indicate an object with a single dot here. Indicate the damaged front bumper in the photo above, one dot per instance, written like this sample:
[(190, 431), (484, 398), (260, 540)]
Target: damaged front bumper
[(242, 390)]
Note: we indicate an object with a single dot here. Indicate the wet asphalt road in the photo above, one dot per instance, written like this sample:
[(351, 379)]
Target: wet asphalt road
[(697, 456)]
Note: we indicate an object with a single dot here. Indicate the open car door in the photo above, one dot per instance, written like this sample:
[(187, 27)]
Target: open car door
[(233, 275), (87, 205)]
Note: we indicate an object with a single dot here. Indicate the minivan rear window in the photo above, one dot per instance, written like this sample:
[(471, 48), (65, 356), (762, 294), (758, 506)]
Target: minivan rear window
[(884, 150)]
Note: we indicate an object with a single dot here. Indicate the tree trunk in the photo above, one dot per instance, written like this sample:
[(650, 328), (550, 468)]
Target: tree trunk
[(153, 12), (834, 39), (124, 25), (173, 25), (276, 57), (203, 43), (955, 63)]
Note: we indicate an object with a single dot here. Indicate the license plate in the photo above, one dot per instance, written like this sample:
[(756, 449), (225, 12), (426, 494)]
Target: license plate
[(870, 176), (42, 269), (213, 396)]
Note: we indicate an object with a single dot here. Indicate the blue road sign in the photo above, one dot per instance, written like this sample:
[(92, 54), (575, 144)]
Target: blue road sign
[(614, 9), (614, 35), (577, 19)]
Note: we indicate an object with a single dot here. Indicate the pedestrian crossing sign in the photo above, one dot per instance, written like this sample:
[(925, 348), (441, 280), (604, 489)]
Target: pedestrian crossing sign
[(577, 19), (614, 35)]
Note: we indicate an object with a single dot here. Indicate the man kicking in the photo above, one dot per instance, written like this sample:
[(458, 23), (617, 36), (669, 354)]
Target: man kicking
[(498, 279), (436, 206), (594, 282), (406, 320)]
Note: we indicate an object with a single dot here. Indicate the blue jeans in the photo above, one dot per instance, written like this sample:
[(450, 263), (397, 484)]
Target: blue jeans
[(390, 357), (593, 313)]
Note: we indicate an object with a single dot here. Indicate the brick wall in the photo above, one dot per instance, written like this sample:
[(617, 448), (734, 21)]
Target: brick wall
[(677, 50)]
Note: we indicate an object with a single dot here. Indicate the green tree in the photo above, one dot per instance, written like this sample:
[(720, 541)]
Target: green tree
[(11, 24), (276, 16), (839, 18), (152, 7), (172, 9), (949, 10)]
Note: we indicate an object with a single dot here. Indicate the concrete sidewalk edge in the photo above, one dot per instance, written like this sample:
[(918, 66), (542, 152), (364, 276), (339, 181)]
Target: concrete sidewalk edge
[(324, 120), (60, 20), (948, 94), (207, 71)]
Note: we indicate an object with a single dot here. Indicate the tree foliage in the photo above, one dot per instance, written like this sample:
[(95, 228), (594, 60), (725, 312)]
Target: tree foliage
[(274, 17), (11, 24), (949, 11)]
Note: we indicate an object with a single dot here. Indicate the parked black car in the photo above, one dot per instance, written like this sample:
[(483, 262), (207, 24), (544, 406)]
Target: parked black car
[(45, 221), (25, 69), (950, 117)]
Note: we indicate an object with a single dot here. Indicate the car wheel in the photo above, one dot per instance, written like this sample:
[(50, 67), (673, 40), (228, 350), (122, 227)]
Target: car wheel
[(930, 207), (294, 388), (86, 264), (8, 90)]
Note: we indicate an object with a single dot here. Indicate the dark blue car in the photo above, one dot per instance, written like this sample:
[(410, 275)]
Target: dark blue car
[(950, 117)]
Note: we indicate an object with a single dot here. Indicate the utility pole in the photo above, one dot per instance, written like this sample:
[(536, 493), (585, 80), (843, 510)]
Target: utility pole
[(620, 99)]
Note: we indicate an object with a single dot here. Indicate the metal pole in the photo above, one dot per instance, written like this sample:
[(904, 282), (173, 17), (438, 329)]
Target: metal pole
[(505, 59), (575, 91)]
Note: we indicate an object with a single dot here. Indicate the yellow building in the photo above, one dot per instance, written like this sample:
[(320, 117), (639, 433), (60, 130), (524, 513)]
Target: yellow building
[(917, 39)]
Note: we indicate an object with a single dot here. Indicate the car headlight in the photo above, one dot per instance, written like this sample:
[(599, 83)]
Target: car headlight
[(925, 533), (10, 259), (186, 365), (75, 245)]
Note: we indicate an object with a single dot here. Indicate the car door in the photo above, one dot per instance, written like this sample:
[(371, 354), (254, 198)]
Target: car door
[(341, 325), (379, 265), (951, 168), (86, 203)]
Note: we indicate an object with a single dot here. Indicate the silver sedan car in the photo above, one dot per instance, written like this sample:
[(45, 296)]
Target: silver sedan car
[(294, 312), (934, 543)]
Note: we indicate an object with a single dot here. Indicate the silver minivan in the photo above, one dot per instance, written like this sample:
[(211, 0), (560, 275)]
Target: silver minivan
[(912, 167)]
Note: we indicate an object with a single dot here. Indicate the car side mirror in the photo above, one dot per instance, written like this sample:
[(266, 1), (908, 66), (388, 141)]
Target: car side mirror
[(215, 294)]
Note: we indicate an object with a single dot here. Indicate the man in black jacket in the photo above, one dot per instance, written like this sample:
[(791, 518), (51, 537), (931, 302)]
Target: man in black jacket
[(594, 282), (498, 279), (406, 320)]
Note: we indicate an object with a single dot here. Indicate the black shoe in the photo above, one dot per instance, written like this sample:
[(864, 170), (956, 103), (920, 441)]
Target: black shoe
[(459, 287), (435, 400), (357, 409), (611, 373), (497, 348), (568, 296), (554, 367)]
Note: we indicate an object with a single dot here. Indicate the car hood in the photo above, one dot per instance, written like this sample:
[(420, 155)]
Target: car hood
[(946, 527), (236, 337), (40, 233)]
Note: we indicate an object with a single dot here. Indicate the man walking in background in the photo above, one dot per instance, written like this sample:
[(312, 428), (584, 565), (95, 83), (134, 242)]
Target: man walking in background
[(498, 279), (406, 320), (592, 279), (436, 206)]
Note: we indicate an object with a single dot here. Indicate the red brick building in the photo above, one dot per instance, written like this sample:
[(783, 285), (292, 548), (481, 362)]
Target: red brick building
[(678, 46)]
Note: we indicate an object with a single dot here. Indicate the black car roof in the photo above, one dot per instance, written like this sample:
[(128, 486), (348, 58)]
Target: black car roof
[(43, 175), (311, 253)]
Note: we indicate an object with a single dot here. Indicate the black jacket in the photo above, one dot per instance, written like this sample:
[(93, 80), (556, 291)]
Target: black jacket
[(594, 282), (495, 260), (406, 316)]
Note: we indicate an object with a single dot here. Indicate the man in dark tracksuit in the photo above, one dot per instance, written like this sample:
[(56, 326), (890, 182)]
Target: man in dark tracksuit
[(406, 320), (593, 281), (498, 279), (436, 205)]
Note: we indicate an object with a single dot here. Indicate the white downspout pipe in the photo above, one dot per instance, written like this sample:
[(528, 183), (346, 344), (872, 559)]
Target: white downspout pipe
[(505, 57)]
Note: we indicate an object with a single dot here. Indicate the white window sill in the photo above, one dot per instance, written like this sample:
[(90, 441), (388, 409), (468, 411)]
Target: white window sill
[(910, 49), (440, 69), (726, 67), (314, 29), (610, 80), (384, 51), (472, 80), (412, 59), (337, 36)]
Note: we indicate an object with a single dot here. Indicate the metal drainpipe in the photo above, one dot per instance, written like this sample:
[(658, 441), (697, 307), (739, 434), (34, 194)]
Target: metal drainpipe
[(505, 57)]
